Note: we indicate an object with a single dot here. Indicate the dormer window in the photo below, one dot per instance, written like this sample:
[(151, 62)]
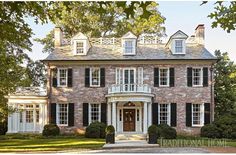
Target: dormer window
[(178, 46), (129, 47), (79, 47)]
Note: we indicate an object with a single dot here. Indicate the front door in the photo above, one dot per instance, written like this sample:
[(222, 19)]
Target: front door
[(129, 120)]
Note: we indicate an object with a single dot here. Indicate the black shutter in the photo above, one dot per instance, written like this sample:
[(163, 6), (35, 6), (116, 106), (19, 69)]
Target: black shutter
[(207, 113), (102, 77), (173, 114), (205, 76), (155, 113), (54, 77), (104, 113), (172, 77), (70, 77), (156, 77), (189, 77), (85, 114), (71, 114), (189, 114), (87, 77), (52, 113)]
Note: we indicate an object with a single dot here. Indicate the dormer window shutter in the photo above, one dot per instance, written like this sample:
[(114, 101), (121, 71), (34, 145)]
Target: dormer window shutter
[(205, 77), (102, 77), (54, 77), (172, 77), (87, 77), (70, 77), (189, 77)]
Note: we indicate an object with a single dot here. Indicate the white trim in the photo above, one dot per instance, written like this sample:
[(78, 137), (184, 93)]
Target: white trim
[(168, 77), (84, 47), (201, 115), (57, 114), (201, 77), (168, 113), (58, 77), (140, 75), (90, 76)]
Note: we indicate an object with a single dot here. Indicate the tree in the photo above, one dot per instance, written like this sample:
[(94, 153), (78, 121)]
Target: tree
[(110, 22), (224, 15), (225, 84)]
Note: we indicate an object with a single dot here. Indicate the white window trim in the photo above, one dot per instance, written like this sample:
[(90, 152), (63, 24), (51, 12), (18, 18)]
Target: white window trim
[(57, 114), (169, 112), (58, 77), (90, 76), (90, 121), (168, 77), (184, 47), (201, 116), (134, 46), (201, 77), (140, 75), (75, 44)]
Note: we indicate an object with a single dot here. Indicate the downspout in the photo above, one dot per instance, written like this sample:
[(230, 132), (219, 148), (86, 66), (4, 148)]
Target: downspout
[(212, 94)]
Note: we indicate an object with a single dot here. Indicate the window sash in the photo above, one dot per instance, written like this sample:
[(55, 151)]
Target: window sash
[(79, 47), (62, 114), (164, 77), (129, 47), (95, 76), (29, 115), (197, 114), (164, 114), (62, 77), (178, 46), (94, 112), (197, 76)]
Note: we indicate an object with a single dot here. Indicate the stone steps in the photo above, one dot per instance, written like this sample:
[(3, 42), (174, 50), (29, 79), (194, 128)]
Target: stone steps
[(130, 136)]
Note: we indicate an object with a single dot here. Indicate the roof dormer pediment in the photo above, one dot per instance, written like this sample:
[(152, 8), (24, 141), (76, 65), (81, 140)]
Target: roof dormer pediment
[(80, 36), (129, 35)]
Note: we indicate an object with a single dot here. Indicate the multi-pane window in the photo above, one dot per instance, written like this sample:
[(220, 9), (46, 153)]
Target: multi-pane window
[(178, 46), (62, 79), (94, 112), (197, 76), (196, 114), (129, 45), (164, 77), (29, 114), (95, 76), (79, 47), (62, 114), (164, 114)]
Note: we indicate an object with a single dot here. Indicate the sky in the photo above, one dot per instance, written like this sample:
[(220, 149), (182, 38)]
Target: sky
[(180, 15)]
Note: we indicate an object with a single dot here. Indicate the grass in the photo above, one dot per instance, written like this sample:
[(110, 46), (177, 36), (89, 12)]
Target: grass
[(37, 143)]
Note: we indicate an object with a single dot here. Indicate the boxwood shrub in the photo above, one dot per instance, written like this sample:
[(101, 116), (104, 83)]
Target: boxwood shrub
[(96, 130), (51, 130), (166, 132)]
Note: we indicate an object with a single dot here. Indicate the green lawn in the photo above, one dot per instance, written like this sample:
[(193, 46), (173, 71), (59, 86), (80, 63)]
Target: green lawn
[(39, 144)]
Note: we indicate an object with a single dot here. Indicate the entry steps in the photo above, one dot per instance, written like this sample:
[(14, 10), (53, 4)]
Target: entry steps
[(131, 136)]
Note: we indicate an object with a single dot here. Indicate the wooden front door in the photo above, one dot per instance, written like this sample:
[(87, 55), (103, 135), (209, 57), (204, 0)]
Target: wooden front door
[(129, 120)]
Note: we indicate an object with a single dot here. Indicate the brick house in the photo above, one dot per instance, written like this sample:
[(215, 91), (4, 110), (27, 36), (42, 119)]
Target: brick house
[(128, 82)]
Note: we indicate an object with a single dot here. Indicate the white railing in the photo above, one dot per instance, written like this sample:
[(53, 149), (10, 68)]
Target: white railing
[(123, 88)]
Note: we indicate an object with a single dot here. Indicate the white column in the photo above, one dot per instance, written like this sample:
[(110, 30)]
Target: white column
[(145, 117), (109, 113), (15, 119), (34, 116), (41, 117), (10, 126), (114, 114), (24, 118), (149, 114)]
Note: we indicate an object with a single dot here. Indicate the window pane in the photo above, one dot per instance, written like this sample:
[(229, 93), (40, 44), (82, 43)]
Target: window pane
[(196, 114), (37, 116), (63, 113), (95, 111), (196, 76), (79, 47), (29, 116), (128, 46), (62, 77), (178, 46), (164, 115), (95, 76), (163, 77)]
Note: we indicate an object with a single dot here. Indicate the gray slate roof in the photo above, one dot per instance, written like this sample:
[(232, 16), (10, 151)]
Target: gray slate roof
[(30, 91), (144, 52)]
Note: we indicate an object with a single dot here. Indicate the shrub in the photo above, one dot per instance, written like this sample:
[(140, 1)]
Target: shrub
[(110, 129), (152, 129), (210, 131), (3, 128), (51, 130), (166, 132), (95, 130)]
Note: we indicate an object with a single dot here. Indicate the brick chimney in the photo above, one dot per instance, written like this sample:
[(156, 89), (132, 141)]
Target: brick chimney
[(58, 36), (200, 34)]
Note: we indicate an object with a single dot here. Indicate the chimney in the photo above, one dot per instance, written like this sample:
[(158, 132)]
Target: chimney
[(58, 36), (200, 34)]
